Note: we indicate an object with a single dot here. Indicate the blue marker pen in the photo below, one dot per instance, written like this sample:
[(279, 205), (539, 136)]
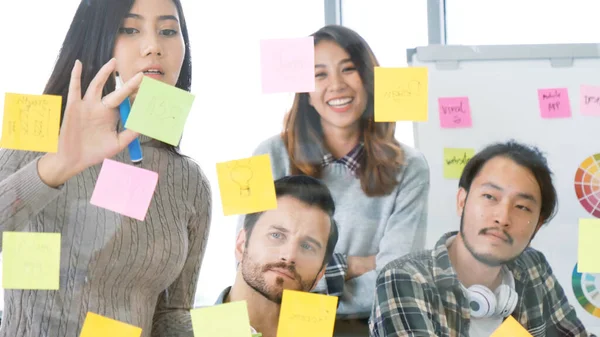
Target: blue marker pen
[(135, 149)]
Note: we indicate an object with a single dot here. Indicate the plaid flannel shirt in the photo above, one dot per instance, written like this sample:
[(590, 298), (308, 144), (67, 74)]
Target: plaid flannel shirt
[(335, 273), (420, 295)]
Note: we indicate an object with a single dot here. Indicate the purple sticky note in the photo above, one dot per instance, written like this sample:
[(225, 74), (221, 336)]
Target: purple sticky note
[(590, 100), (455, 112), (287, 65), (554, 103), (124, 189)]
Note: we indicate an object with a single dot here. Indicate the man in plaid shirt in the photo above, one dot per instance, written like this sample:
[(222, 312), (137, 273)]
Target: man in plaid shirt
[(475, 278)]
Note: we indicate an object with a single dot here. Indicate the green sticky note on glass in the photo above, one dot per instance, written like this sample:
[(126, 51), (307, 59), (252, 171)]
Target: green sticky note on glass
[(223, 320), (30, 260), (587, 252), (160, 111), (455, 161)]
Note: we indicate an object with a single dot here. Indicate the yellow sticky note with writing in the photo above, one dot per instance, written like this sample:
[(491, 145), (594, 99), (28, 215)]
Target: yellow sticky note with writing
[(306, 314), (99, 326), (510, 328), (30, 260), (455, 160), (247, 185), (31, 122), (587, 251), (223, 320), (401, 94)]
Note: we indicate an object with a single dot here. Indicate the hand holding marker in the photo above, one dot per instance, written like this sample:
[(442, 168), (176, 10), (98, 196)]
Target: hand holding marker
[(135, 149)]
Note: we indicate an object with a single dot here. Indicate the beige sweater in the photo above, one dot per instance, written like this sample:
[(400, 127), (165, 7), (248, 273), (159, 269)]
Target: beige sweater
[(141, 273)]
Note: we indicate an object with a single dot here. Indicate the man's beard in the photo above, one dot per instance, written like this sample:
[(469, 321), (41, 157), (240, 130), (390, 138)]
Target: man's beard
[(487, 259), (253, 275)]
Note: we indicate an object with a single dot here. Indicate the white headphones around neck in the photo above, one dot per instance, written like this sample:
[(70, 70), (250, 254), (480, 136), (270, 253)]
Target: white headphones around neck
[(484, 303)]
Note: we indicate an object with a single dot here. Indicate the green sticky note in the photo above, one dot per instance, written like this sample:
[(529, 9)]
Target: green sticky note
[(30, 260), (160, 111), (455, 161), (587, 252), (223, 320)]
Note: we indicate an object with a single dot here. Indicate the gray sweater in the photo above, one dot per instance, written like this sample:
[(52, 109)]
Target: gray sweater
[(141, 273), (389, 226)]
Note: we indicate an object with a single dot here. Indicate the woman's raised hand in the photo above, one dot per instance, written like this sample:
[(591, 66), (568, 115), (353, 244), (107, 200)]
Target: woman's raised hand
[(88, 133)]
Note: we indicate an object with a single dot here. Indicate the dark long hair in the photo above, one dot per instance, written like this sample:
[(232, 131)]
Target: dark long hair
[(303, 134), (91, 39)]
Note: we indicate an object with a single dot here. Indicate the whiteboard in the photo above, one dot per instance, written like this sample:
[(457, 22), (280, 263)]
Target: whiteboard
[(502, 85)]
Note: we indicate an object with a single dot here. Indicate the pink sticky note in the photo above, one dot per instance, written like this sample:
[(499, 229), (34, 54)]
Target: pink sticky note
[(124, 189), (287, 65), (455, 112), (590, 100), (554, 103)]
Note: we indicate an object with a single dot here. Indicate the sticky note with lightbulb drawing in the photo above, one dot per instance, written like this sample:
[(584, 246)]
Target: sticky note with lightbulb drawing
[(246, 185)]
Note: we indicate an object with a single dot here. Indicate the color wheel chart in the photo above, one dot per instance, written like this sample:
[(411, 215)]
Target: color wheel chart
[(587, 184), (586, 288)]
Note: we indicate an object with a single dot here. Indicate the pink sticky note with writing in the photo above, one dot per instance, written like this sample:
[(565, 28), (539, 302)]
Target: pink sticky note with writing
[(124, 189), (287, 65), (590, 100), (554, 103), (455, 112)]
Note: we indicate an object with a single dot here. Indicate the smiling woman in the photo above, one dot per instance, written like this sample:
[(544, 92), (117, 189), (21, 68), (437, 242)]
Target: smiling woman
[(140, 273), (380, 186)]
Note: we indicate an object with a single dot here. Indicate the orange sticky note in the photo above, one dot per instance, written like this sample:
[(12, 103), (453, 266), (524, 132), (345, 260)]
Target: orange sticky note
[(31, 122), (511, 328), (306, 314), (99, 326)]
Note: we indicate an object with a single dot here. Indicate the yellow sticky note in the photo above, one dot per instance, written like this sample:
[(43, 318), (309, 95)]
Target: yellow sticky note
[(455, 161), (31, 260), (401, 94), (306, 314), (247, 185), (223, 320), (510, 328), (99, 326), (31, 122), (587, 252)]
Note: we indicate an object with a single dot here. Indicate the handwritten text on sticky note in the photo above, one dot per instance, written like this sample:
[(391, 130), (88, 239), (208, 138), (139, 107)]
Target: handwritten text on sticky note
[(287, 65), (30, 260), (455, 112), (31, 122), (455, 160), (401, 94), (247, 185), (510, 328), (225, 320), (590, 100), (124, 189), (554, 103), (160, 111), (306, 314), (587, 249), (99, 326)]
